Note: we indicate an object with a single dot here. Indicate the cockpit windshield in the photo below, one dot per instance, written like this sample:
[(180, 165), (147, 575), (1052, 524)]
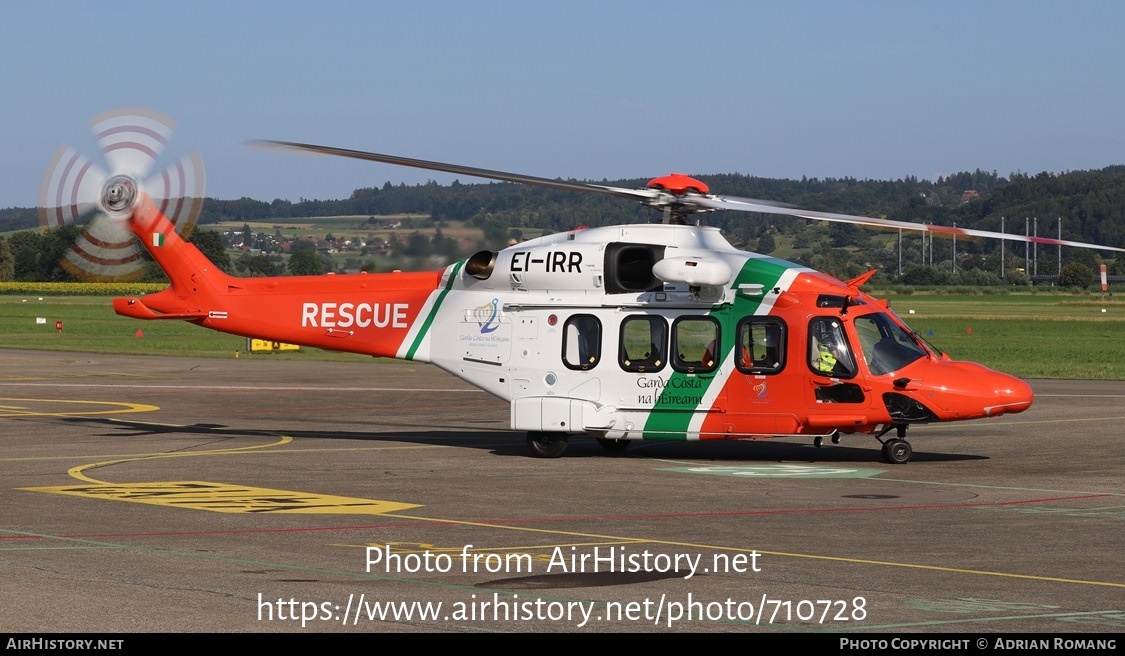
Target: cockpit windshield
[(886, 345), (918, 338)]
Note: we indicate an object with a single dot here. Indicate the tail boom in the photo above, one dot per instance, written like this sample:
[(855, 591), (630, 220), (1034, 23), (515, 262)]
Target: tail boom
[(363, 313)]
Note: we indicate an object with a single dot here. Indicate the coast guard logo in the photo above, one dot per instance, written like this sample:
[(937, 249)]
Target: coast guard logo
[(486, 316)]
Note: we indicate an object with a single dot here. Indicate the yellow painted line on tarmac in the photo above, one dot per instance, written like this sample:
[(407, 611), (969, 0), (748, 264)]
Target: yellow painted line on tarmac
[(221, 497), (780, 554), (226, 498), (217, 497), (422, 547), (144, 456), (77, 471), (584, 543), (120, 407)]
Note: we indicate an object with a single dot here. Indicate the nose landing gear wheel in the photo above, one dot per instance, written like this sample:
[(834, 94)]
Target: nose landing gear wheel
[(897, 452), (546, 445)]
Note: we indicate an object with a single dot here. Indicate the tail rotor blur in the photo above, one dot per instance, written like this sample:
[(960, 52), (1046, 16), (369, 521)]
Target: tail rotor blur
[(78, 191)]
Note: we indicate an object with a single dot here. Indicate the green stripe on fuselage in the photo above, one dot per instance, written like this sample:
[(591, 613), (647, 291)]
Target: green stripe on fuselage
[(433, 311), (682, 395)]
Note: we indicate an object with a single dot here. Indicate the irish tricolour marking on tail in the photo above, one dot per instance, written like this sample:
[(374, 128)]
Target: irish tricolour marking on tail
[(158, 239)]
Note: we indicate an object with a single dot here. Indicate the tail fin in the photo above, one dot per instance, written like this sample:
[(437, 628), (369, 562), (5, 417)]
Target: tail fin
[(196, 281)]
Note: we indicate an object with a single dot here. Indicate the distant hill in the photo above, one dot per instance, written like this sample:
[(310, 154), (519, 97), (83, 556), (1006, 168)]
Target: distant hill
[(1091, 203)]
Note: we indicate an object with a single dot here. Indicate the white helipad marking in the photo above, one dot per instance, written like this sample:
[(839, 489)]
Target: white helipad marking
[(779, 471)]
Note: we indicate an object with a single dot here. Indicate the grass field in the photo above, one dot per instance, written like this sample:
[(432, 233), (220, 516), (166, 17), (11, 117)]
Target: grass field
[(1033, 336), (1029, 335), (90, 325)]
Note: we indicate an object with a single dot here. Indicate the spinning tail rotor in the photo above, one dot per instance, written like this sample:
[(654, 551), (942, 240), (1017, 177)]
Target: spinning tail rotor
[(80, 192)]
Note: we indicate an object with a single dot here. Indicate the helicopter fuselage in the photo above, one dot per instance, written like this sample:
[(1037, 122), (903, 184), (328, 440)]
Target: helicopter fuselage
[(659, 332)]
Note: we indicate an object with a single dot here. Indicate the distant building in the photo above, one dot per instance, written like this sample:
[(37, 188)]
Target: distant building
[(969, 195)]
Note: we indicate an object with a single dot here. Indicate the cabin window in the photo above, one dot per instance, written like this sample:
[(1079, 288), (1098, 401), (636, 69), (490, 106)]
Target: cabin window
[(582, 342), (761, 345), (644, 342), (829, 352), (695, 345)]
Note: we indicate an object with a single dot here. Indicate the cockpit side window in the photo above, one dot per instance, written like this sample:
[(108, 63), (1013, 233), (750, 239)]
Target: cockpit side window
[(760, 348), (582, 342), (829, 351), (644, 344), (886, 346)]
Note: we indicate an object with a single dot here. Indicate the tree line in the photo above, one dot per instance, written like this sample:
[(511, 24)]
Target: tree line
[(1091, 204)]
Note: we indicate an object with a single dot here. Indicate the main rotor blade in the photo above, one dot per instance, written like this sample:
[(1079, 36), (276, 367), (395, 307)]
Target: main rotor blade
[(750, 205), (647, 196), (657, 198)]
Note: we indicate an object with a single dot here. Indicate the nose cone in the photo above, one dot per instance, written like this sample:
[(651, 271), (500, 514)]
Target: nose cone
[(966, 390), (1009, 394)]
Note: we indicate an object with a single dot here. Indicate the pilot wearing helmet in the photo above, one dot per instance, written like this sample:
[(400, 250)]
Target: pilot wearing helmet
[(829, 355), (827, 346)]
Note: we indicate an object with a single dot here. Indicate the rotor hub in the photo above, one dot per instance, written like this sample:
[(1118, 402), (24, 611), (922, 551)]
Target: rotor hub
[(679, 184), (119, 193)]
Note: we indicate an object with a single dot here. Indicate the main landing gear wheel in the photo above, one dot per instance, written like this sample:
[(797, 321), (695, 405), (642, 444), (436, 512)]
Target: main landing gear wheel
[(546, 445), (613, 445), (897, 452), (818, 441)]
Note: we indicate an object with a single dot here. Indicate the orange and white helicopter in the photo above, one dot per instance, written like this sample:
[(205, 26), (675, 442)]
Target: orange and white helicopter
[(636, 332)]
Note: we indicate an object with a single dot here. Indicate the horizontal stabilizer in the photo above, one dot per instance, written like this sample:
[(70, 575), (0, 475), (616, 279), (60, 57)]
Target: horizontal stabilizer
[(135, 308)]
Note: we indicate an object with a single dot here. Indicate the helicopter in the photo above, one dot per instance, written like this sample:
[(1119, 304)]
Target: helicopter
[(661, 331)]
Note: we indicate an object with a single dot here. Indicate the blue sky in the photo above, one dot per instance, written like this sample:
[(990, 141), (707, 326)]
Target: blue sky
[(577, 89)]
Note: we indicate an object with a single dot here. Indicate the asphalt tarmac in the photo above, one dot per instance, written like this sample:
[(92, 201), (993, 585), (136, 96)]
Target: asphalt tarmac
[(159, 494)]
